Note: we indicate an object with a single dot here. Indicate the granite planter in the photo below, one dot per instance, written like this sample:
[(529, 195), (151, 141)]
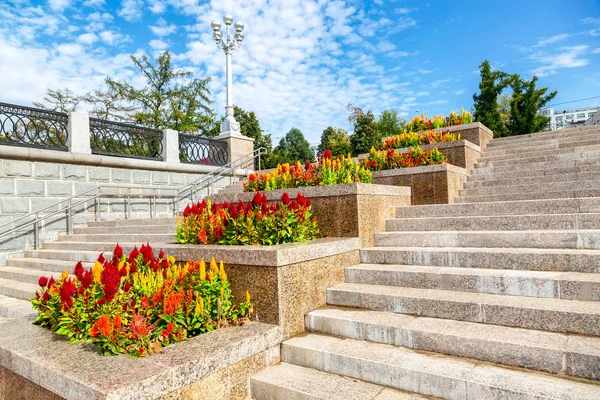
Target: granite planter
[(38, 364), (430, 184), (346, 210), (286, 281), (475, 132)]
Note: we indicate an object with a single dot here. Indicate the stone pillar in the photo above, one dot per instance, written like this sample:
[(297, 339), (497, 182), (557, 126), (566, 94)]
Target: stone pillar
[(170, 146), (238, 146), (78, 131)]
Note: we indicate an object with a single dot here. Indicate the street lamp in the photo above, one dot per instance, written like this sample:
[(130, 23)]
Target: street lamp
[(228, 44)]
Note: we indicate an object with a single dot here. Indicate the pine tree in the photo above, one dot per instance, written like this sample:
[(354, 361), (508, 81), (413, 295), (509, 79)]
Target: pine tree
[(486, 102), (367, 132), (525, 103), (336, 140)]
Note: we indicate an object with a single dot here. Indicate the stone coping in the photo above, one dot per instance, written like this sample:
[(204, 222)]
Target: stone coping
[(440, 146), (344, 189), (95, 160), (455, 128), (77, 371), (264, 256), (425, 169)]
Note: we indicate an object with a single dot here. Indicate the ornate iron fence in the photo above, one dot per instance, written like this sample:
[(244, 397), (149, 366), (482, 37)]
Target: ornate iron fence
[(194, 149), (123, 140), (33, 127)]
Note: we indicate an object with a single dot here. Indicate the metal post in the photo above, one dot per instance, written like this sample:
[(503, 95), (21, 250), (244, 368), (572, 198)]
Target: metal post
[(97, 208), (128, 205), (69, 218), (36, 232)]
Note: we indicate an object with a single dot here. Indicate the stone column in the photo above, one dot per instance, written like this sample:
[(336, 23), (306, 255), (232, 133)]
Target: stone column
[(238, 146), (78, 131), (170, 146)]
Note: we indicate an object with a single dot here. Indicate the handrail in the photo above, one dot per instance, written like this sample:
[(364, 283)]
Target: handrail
[(180, 193)]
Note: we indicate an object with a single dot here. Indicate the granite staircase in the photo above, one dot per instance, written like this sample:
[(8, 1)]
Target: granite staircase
[(495, 297), (18, 279)]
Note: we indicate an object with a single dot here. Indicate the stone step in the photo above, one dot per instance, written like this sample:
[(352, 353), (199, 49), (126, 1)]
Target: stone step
[(547, 144), (532, 181), (531, 162), (168, 228), (540, 187), (557, 353), (426, 373), (26, 275), (543, 137), (553, 285), (556, 315), (48, 266), (500, 208), (132, 222), (523, 259), (289, 381), (561, 194), (74, 255), (120, 237), (495, 223), (97, 247), (591, 143), (545, 239), (539, 166), (547, 173), (18, 290), (11, 307)]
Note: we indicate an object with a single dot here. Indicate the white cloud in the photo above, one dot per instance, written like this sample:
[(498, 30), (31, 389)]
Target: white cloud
[(591, 21), (94, 3), (113, 38), (425, 71), (87, 38), (402, 10), (162, 28), (596, 51), (439, 82), (552, 39), (459, 92), (157, 44), (566, 57), (131, 10), (157, 6), (58, 5)]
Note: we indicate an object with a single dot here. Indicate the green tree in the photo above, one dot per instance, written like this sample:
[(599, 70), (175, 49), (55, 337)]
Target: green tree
[(171, 98), (504, 109), (486, 102), (390, 123), (62, 100), (525, 103), (367, 132), (337, 140), (250, 126), (291, 148), (108, 105)]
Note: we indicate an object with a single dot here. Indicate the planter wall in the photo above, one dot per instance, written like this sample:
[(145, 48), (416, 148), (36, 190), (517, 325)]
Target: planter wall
[(347, 210), (476, 133), (431, 184)]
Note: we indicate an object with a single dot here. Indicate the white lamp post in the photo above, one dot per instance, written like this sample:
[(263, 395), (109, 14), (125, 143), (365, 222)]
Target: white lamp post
[(228, 44)]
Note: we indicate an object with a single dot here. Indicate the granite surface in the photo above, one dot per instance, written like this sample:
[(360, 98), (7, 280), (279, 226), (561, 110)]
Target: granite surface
[(77, 371)]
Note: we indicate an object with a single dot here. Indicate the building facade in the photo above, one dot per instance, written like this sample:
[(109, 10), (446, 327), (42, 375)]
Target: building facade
[(564, 118)]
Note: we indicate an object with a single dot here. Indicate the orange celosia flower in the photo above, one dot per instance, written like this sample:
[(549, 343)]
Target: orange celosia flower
[(103, 327), (172, 303)]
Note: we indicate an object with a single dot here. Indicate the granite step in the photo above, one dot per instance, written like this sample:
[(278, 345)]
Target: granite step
[(533, 181), (561, 194), (495, 223), (11, 307), (556, 315), (18, 290), (557, 353), (120, 237), (426, 373), (93, 247), (540, 187), (545, 239), (547, 165), (547, 173), (167, 228), (73, 255), (531, 162), (553, 285), (499, 208), (289, 381), (558, 260), (48, 266), (546, 148), (542, 137), (27, 275), (132, 222)]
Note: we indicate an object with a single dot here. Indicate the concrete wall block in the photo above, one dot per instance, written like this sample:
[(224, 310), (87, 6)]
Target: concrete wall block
[(83, 186), (101, 174), (46, 170), (39, 203), (117, 206), (140, 206), (120, 175), (7, 187), (17, 168), (12, 205), (59, 188), (141, 176), (74, 172), (31, 188), (17, 241), (177, 179), (160, 178)]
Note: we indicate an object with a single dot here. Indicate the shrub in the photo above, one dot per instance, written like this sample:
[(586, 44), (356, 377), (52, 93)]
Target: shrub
[(418, 124), (254, 223), (412, 139), (392, 159), (138, 303), (327, 171)]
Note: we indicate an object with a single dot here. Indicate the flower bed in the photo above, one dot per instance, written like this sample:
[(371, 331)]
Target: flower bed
[(392, 159), (138, 303), (421, 123), (254, 223), (327, 171), (412, 139)]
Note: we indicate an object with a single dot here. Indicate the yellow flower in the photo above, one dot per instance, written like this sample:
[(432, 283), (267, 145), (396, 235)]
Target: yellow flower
[(64, 275), (222, 292), (171, 260), (222, 273), (97, 271), (213, 266), (247, 297), (199, 304), (202, 269), (54, 290)]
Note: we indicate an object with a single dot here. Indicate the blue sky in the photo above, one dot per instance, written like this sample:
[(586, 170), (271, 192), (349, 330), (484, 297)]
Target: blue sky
[(303, 61)]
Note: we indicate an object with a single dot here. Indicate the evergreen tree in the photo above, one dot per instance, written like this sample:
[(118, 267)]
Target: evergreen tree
[(62, 100), (337, 140), (292, 147), (525, 103), (390, 123), (486, 102), (367, 132)]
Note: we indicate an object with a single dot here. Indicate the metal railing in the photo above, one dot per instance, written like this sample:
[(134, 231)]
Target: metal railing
[(33, 127), (127, 192), (124, 140), (194, 149)]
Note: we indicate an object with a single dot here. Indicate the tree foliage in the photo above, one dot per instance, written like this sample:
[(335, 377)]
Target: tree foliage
[(390, 123), (291, 148), (108, 105), (525, 103), (486, 102), (62, 100), (250, 126), (337, 140), (367, 132)]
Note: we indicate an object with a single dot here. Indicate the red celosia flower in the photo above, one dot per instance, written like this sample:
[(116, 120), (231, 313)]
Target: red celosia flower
[(202, 236), (138, 326), (117, 322), (257, 201), (144, 303), (285, 199), (327, 154), (86, 279), (134, 253), (186, 211), (51, 282), (301, 199), (78, 270), (101, 258), (111, 279), (118, 251), (252, 177), (43, 281), (67, 290)]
